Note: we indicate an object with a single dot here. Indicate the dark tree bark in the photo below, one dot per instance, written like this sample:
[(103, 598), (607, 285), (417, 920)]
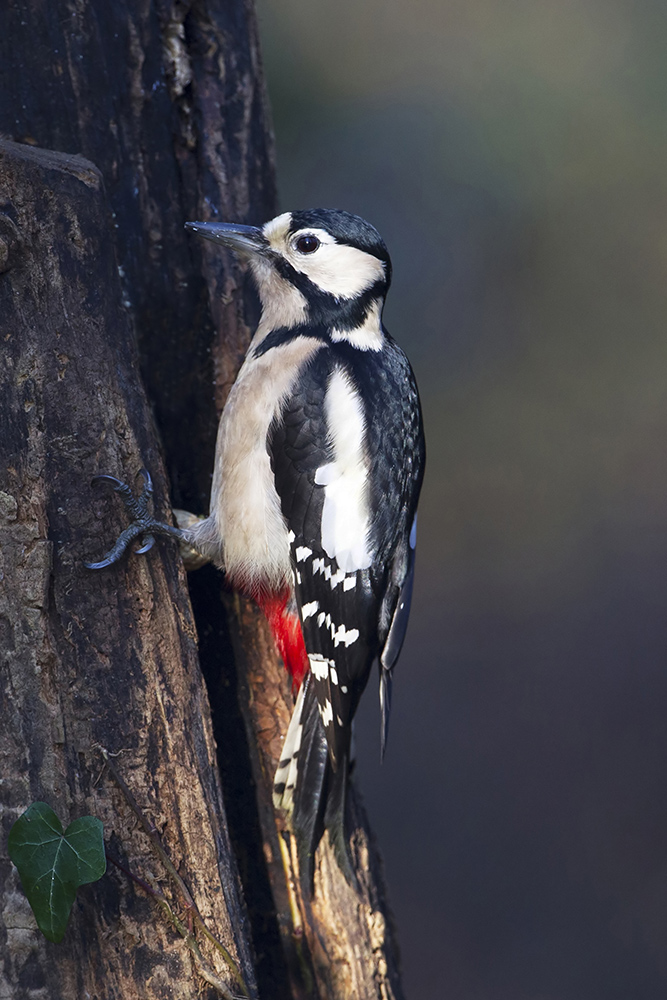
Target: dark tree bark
[(90, 660), (166, 98)]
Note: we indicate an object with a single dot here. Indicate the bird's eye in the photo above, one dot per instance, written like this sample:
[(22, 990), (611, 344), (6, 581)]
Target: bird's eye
[(307, 244)]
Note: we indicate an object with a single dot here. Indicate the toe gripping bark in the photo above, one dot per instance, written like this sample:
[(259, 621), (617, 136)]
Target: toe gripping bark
[(142, 525)]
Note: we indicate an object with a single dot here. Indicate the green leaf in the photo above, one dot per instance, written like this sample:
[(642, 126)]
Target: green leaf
[(53, 864)]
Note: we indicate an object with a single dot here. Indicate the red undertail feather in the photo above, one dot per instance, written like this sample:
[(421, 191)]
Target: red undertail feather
[(286, 629)]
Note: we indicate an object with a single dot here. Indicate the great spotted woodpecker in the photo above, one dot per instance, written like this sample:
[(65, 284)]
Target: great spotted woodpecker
[(319, 463)]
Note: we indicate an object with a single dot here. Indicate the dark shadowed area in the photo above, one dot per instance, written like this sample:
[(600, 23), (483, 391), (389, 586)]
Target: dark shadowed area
[(512, 155)]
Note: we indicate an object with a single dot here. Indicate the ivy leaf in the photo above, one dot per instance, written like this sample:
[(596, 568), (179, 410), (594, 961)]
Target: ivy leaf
[(53, 864)]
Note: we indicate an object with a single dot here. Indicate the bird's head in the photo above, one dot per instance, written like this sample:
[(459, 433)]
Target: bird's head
[(322, 266)]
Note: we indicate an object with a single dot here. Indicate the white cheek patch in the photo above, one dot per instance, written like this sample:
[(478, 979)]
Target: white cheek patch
[(335, 268), (345, 518), (341, 270)]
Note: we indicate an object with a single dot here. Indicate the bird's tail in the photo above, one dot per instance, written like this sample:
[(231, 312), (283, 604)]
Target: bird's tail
[(309, 791)]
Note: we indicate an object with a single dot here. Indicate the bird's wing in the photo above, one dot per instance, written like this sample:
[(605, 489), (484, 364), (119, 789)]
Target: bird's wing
[(338, 604)]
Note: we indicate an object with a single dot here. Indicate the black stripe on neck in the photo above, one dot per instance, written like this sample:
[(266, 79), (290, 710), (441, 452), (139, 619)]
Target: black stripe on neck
[(285, 334), (325, 309)]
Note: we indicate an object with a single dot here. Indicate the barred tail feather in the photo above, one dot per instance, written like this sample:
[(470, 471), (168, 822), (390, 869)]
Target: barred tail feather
[(286, 773), (308, 789)]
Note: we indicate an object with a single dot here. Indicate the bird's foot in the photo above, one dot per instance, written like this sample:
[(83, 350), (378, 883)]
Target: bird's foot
[(143, 525)]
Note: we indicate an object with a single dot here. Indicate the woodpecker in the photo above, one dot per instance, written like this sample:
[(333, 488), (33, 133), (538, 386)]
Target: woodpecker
[(318, 468)]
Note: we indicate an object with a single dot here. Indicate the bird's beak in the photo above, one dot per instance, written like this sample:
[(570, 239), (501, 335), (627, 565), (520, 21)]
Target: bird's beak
[(246, 240)]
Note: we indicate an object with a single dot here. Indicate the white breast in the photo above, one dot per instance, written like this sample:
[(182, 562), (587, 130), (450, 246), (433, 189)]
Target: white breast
[(245, 517)]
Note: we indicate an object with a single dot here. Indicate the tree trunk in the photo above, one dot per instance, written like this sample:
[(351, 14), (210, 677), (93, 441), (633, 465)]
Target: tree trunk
[(93, 660), (166, 97)]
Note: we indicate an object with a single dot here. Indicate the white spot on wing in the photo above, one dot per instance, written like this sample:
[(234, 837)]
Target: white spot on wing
[(336, 578), (319, 666), (345, 511), (347, 636), (302, 553), (309, 609), (326, 712), (349, 582)]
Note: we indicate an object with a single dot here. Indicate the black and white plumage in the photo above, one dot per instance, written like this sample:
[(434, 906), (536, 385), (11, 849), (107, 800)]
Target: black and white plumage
[(319, 464), (329, 487)]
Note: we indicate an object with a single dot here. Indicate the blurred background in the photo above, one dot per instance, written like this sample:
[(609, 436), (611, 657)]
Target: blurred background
[(513, 156)]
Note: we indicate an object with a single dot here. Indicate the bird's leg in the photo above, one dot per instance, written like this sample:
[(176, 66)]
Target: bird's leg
[(143, 525), (191, 555)]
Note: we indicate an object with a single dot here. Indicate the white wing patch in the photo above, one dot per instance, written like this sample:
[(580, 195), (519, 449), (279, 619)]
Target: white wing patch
[(345, 511)]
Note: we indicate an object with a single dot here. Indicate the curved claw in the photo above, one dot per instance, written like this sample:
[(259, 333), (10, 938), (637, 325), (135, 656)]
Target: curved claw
[(147, 490), (122, 542), (147, 546), (102, 478)]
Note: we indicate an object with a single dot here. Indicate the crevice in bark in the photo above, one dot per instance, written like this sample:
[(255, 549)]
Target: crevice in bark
[(216, 657)]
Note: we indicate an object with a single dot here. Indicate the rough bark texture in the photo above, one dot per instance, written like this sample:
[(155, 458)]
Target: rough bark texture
[(87, 658), (166, 97)]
